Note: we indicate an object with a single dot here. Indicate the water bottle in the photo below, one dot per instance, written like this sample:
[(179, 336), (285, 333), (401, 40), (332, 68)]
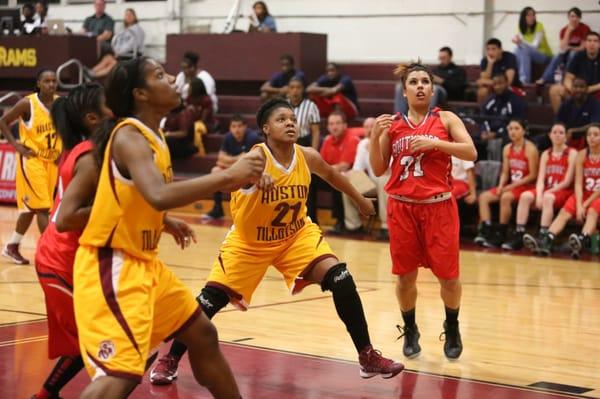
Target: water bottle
[(558, 74)]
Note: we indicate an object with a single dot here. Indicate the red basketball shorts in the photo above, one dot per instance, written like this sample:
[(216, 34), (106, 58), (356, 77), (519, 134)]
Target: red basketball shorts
[(560, 197), (517, 191), (571, 205), (460, 189), (424, 235)]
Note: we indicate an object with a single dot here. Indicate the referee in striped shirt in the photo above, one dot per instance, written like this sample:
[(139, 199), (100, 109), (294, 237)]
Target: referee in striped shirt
[(307, 114)]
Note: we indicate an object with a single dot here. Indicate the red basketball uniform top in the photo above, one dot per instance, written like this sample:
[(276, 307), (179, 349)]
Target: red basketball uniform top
[(591, 175), (57, 250), (556, 167), (424, 174), (517, 163)]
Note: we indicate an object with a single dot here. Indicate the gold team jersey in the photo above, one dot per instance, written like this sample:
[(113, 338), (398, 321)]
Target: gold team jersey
[(39, 133), (266, 217), (121, 218)]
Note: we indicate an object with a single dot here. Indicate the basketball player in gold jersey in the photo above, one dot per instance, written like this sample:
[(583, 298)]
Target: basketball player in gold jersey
[(126, 300), (270, 227), (37, 153)]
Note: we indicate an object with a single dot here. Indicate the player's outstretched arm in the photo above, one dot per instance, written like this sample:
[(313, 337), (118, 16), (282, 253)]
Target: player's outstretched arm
[(135, 160), (76, 203), (326, 172), (462, 145)]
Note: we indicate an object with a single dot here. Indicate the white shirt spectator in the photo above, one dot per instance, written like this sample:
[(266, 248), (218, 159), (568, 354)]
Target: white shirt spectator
[(361, 161), (129, 41), (460, 167), (209, 83)]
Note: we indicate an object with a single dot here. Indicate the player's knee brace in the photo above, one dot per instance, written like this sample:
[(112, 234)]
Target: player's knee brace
[(212, 299), (338, 280)]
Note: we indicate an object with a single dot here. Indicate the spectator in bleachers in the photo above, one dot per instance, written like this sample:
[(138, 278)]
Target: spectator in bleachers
[(532, 44), (451, 77), (334, 91), (261, 20), (554, 186), (236, 142), (181, 124), (307, 114), (464, 185), (278, 84), (105, 64), (338, 150), (578, 112), (189, 70), (519, 170), (572, 40), (29, 25), (41, 12), (129, 43), (497, 111), (400, 103), (99, 25), (585, 64), (496, 61), (352, 219)]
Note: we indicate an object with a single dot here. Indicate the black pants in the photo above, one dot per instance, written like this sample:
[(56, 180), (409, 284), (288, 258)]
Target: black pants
[(337, 206)]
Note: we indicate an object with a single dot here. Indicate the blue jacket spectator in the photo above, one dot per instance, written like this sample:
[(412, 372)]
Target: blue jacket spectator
[(262, 21), (334, 90), (496, 61), (278, 84), (578, 112)]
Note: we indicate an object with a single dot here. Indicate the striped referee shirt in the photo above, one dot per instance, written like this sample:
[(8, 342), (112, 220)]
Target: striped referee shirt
[(307, 114)]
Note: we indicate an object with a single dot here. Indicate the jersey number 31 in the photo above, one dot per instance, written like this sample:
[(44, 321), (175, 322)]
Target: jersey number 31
[(407, 161)]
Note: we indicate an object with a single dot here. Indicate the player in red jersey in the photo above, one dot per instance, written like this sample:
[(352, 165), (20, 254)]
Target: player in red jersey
[(553, 187), (75, 118), (422, 213), (520, 160), (584, 205)]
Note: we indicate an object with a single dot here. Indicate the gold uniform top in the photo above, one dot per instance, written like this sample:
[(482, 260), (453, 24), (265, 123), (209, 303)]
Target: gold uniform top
[(39, 133), (121, 218), (266, 217)]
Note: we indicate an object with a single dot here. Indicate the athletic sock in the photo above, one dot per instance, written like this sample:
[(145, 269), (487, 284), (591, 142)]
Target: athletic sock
[(543, 230), (177, 350), (15, 238), (409, 317), (520, 228), (451, 315), (487, 223), (65, 369)]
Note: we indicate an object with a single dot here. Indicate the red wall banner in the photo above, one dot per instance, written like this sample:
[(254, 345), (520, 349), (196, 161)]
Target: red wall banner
[(8, 169)]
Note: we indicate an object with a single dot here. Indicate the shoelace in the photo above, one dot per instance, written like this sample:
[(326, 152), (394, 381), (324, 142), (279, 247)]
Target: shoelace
[(401, 330)]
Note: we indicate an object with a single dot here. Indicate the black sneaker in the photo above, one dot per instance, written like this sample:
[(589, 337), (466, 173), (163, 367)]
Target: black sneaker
[(215, 214), (545, 243), (495, 241), (531, 243), (577, 243), (383, 235), (338, 228), (514, 244), (453, 346), (411, 347), (484, 232)]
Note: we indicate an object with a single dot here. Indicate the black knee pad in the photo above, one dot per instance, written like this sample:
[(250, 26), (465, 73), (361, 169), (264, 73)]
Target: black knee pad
[(212, 299), (338, 280)]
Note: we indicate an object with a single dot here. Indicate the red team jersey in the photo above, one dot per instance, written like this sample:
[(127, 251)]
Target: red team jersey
[(591, 175), (420, 175), (556, 168), (517, 163), (57, 250)]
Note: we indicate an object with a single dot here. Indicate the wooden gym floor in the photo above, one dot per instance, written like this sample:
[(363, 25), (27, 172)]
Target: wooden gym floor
[(531, 329)]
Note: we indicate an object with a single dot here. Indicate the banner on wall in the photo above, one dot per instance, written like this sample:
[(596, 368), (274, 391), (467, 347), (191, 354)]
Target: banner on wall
[(8, 170)]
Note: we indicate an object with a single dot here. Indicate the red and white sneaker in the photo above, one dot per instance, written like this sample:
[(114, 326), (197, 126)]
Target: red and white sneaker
[(11, 251), (372, 363), (165, 372)]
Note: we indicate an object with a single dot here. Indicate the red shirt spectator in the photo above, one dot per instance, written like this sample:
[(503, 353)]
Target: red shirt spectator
[(578, 34), (340, 149)]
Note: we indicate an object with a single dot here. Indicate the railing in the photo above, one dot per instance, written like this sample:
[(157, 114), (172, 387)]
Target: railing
[(9, 95), (72, 61)]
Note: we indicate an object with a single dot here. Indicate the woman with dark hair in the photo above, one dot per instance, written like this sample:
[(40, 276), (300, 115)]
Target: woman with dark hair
[(76, 117), (532, 44), (261, 20), (572, 38), (423, 218), (129, 43), (37, 152), (520, 162), (307, 114), (126, 300), (271, 227), (180, 124)]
